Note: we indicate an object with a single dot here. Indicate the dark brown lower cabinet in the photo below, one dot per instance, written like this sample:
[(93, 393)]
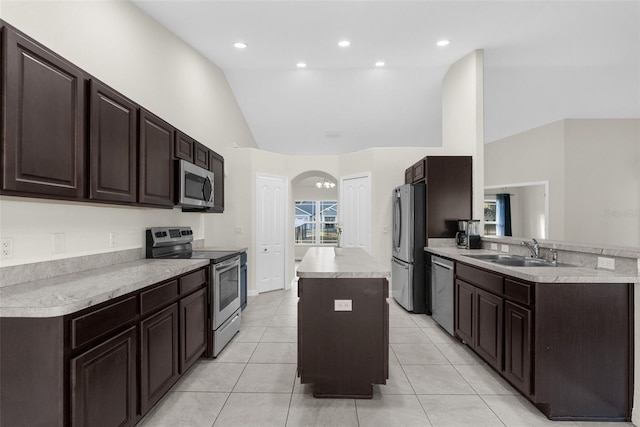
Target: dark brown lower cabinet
[(517, 346), (103, 383), (567, 347), (464, 309), (193, 337), (103, 366), (158, 355), (478, 321), (488, 320)]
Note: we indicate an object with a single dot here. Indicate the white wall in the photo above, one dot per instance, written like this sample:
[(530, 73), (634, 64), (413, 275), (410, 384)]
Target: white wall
[(532, 211), (120, 45), (593, 169), (602, 178), (533, 156), (463, 118)]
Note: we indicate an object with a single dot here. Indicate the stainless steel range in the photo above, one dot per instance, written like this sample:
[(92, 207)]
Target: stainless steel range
[(224, 280)]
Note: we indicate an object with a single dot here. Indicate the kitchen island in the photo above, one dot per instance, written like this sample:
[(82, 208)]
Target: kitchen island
[(343, 322)]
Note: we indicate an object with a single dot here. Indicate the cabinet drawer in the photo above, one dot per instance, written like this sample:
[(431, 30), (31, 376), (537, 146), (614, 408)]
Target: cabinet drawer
[(192, 281), (102, 321), (158, 296), (484, 279), (518, 291)]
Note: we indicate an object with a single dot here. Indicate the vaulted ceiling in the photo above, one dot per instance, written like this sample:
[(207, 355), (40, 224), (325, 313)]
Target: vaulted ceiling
[(544, 61)]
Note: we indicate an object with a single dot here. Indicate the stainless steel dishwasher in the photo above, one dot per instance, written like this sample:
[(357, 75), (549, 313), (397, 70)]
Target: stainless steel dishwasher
[(442, 292)]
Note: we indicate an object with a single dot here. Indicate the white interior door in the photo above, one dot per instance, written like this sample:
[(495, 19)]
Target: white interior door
[(355, 211), (271, 219)]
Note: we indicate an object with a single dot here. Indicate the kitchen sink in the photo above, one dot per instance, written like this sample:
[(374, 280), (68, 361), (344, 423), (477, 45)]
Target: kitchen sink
[(516, 260)]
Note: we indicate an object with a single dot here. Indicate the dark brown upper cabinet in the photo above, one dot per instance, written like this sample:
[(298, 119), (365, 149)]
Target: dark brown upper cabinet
[(201, 156), (216, 165), (113, 133), (43, 121), (184, 146), (155, 177)]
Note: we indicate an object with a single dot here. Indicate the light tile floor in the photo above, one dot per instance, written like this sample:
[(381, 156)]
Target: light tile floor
[(433, 381)]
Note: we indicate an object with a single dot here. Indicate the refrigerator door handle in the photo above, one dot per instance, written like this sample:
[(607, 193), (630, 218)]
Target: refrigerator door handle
[(397, 221)]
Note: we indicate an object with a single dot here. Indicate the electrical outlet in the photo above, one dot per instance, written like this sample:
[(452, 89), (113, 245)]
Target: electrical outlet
[(58, 243), (113, 239), (342, 305), (607, 263), (504, 248), (6, 247), (494, 246), (239, 230)]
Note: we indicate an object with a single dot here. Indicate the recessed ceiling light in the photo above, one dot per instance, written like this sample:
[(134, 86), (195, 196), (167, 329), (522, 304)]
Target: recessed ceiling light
[(301, 65), (344, 43), (240, 45), (442, 43), (380, 64)]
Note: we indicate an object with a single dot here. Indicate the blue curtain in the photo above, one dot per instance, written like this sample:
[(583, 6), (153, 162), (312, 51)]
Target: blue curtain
[(503, 215)]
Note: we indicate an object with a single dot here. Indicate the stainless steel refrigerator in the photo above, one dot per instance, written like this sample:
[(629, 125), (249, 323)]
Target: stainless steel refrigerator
[(409, 239)]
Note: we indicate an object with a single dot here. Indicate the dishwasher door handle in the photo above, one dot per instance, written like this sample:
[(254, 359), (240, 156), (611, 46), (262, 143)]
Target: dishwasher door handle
[(442, 265)]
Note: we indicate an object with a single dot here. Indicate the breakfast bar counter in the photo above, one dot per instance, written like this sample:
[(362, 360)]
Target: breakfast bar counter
[(343, 322)]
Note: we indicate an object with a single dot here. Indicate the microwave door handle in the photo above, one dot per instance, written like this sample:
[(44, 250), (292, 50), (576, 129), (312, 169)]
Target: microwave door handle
[(207, 189)]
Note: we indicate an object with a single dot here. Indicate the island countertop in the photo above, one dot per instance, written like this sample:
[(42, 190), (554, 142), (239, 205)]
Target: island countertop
[(322, 262)]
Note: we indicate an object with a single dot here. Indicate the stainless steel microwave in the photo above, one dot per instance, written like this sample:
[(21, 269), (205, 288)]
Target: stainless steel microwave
[(195, 186)]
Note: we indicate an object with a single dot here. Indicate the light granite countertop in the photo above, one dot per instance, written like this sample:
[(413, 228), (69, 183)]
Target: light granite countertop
[(322, 262), (69, 293), (560, 274)]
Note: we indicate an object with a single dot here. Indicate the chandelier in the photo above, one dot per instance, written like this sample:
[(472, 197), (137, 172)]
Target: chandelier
[(325, 183)]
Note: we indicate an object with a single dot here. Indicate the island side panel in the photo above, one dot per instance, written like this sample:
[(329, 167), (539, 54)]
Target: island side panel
[(582, 360), (343, 352)]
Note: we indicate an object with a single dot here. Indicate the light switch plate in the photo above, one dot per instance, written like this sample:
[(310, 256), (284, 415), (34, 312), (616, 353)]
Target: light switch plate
[(504, 248), (494, 246), (342, 305)]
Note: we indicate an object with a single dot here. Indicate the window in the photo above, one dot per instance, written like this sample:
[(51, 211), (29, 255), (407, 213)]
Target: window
[(316, 222), (490, 218)]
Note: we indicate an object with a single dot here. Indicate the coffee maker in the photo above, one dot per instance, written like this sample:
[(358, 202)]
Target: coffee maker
[(473, 234), (461, 235), (468, 235)]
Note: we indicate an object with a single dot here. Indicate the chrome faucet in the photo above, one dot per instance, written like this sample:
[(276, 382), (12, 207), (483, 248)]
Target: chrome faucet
[(534, 248)]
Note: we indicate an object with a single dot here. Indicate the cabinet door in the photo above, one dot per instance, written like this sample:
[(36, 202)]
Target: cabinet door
[(488, 333), (517, 346), (113, 133), (216, 165), (184, 147), (201, 156), (159, 355), (464, 311), (193, 333), (408, 175), (43, 121), (419, 172), (156, 161), (103, 384)]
